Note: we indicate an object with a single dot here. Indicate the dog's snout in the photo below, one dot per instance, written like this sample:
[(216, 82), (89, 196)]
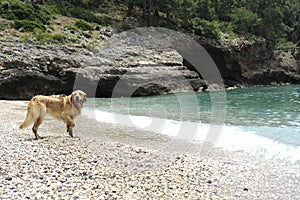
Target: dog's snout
[(77, 98)]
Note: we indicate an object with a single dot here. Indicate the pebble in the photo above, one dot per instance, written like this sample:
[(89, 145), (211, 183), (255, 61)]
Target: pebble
[(8, 178), (60, 167)]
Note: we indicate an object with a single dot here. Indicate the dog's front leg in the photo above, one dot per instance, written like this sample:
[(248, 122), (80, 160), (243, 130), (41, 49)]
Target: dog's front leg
[(70, 130), (70, 125)]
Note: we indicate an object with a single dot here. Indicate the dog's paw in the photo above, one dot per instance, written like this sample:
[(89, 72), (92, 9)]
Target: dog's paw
[(71, 133)]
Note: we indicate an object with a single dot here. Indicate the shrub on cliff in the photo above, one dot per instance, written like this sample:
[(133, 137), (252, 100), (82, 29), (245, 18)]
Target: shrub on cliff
[(202, 27), (4, 25), (83, 25), (297, 54), (26, 17), (72, 10), (28, 25), (44, 37), (245, 21), (22, 11)]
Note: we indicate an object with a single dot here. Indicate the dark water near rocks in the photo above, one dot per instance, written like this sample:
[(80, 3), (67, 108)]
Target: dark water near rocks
[(260, 120)]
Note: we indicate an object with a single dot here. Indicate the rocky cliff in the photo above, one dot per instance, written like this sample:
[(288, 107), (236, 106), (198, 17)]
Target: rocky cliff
[(253, 63), (136, 70), (30, 69)]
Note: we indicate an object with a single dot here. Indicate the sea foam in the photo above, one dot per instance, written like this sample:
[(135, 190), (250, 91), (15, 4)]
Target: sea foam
[(232, 138)]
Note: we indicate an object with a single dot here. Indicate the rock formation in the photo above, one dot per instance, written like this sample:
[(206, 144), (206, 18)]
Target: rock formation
[(29, 69), (253, 63), (134, 70)]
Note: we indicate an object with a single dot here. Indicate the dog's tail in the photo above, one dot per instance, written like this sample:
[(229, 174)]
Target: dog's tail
[(29, 117)]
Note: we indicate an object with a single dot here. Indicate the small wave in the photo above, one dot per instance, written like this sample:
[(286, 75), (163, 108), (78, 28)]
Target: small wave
[(230, 138), (235, 139)]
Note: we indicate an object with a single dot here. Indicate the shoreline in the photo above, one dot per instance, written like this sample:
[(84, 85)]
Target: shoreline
[(111, 166)]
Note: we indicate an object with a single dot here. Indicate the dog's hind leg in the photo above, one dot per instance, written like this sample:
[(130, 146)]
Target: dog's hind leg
[(38, 122), (36, 125)]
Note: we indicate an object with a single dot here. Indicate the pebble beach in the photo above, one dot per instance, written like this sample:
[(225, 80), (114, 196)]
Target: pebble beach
[(86, 167)]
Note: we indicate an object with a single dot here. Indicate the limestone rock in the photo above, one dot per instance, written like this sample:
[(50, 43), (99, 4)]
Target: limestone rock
[(29, 69)]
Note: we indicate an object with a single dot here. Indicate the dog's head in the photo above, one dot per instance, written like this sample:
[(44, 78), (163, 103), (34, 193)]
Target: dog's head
[(78, 97)]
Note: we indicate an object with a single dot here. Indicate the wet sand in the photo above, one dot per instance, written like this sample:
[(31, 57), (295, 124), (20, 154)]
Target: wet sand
[(104, 161)]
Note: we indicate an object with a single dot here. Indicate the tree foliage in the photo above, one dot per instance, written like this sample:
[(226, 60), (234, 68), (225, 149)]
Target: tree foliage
[(26, 17), (278, 21), (274, 20)]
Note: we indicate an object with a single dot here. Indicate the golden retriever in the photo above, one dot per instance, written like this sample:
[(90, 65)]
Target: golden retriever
[(61, 107)]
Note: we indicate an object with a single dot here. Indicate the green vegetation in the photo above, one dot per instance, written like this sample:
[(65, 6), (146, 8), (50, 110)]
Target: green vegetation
[(4, 26), (72, 27), (83, 25), (25, 16), (297, 54), (44, 37), (206, 28), (91, 46), (81, 9), (275, 20), (27, 25)]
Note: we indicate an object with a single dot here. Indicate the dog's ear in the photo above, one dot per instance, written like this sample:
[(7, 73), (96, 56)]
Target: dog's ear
[(84, 97), (71, 97)]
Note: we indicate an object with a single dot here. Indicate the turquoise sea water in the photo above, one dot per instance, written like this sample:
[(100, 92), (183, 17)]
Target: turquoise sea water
[(264, 120)]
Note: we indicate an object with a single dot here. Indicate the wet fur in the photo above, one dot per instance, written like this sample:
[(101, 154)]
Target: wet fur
[(64, 108)]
